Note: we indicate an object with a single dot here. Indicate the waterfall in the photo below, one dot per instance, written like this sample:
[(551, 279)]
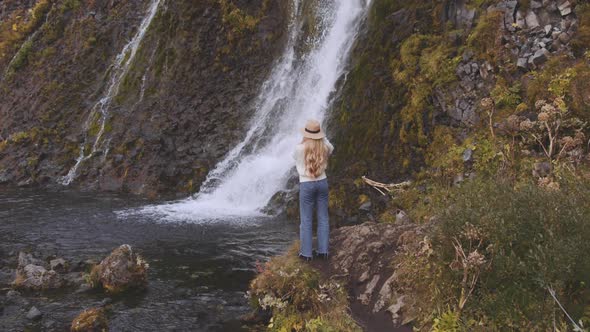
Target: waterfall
[(99, 113), (299, 88)]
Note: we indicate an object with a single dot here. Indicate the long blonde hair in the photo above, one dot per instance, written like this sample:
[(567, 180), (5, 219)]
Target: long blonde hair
[(316, 157)]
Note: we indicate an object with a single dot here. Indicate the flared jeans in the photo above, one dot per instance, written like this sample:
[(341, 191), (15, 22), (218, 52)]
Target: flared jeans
[(314, 194)]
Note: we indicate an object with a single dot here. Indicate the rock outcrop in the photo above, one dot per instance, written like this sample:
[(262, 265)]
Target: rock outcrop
[(123, 269), (364, 255)]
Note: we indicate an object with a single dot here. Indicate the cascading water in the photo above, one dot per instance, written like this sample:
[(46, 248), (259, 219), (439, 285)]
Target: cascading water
[(100, 111), (298, 89)]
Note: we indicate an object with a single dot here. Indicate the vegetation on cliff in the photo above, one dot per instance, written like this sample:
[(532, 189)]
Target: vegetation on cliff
[(298, 298)]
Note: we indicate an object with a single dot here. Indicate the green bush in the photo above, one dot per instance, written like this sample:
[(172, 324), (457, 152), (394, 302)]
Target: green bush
[(528, 239)]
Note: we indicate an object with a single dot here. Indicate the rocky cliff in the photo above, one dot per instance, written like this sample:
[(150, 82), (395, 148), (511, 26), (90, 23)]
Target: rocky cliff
[(411, 106), (180, 105)]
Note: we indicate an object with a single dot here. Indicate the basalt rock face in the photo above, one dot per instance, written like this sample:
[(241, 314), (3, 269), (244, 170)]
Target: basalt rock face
[(182, 104)]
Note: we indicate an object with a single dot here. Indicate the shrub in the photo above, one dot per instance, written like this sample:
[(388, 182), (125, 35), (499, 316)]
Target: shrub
[(527, 239)]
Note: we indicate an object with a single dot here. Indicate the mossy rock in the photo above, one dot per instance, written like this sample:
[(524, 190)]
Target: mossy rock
[(122, 270), (90, 320)]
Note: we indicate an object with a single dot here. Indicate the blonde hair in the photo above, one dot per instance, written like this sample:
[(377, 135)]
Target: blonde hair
[(316, 157)]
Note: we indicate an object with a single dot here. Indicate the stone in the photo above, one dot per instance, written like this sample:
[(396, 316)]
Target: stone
[(548, 28), (565, 8), (12, 294), (401, 217), (540, 57), (522, 63), (123, 269), (367, 295), (58, 265), (564, 38), (458, 179), (535, 4), (366, 206), (34, 314), (36, 277), (467, 155), (25, 259), (532, 21)]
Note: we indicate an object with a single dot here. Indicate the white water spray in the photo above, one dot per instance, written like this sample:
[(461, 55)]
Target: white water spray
[(298, 89), (100, 111)]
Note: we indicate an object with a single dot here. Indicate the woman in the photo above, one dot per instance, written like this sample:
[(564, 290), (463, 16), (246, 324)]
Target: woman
[(311, 159)]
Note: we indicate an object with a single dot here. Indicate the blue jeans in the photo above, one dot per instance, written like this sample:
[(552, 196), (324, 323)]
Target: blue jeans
[(313, 193)]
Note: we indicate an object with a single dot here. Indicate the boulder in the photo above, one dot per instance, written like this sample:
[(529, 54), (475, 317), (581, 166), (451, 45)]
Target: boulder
[(123, 269), (91, 320), (34, 314), (31, 274)]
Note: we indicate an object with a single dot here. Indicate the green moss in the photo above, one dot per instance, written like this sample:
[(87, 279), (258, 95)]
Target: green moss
[(299, 298), (95, 125), (504, 96), (22, 57), (485, 38), (578, 90), (581, 40)]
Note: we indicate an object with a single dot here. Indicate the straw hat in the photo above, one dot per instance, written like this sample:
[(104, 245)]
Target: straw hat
[(313, 130)]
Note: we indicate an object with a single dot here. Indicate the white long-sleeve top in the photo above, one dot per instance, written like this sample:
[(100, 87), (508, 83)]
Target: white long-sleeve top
[(299, 156)]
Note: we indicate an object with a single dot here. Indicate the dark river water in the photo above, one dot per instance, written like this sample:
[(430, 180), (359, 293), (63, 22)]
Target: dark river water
[(198, 276)]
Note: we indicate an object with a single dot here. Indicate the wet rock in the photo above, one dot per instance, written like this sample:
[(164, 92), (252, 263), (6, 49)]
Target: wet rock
[(34, 314), (25, 259), (58, 265), (36, 277), (123, 269), (31, 274), (91, 320)]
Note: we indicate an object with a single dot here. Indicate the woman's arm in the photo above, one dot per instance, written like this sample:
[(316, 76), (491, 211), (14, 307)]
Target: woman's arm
[(329, 145)]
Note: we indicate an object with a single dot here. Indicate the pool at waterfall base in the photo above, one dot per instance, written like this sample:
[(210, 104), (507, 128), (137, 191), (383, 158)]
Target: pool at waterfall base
[(198, 276)]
